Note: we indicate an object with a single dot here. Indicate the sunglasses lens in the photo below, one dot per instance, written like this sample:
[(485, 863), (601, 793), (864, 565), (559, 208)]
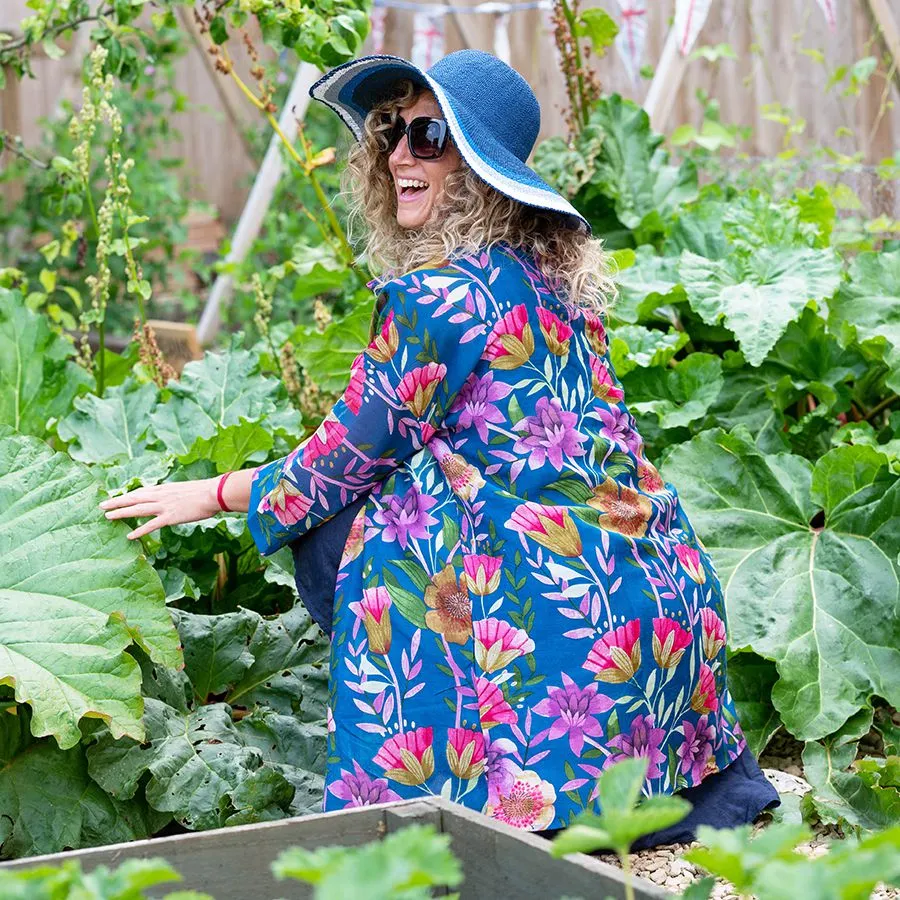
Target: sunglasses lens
[(427, 138)]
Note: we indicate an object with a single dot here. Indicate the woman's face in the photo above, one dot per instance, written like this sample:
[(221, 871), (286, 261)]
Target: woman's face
[(414, 203)]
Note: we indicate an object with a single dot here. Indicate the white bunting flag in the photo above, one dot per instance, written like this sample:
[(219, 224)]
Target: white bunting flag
[(632, 36), (689, 18)]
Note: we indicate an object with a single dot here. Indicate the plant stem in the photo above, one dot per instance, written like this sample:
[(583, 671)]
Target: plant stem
[(570, 19), (888, 401), (626, 871)]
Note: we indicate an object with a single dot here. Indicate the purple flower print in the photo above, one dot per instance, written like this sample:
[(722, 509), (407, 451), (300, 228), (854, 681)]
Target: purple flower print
[(501, 772), (476, 400), (642, 740), (696, 749), (573, 709), (616, 426), (406, 516), (359, 789), (549, 434)]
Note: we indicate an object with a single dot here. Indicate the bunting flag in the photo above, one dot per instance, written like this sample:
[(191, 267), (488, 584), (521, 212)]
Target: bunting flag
[(828, 7), (427, 40), (689, 18), (502, 49), (379, 14), (632, 36)]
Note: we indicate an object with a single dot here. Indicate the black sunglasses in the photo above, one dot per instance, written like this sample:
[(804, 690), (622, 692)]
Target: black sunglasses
[(426, 136)]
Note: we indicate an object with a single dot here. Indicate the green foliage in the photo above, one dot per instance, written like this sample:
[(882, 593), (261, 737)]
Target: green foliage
[(405, 865)]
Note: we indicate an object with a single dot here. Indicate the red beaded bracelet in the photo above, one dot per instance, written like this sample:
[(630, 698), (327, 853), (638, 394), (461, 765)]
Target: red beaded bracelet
[(219, 493)]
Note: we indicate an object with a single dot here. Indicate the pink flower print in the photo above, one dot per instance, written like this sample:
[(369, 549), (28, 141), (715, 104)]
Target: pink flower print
[(385, 344), (465, 480), (602, 382), (713, 633), (617, 655), (286, 502), (327, 437), (649, 479), (360, 789), (697, 749), (373, 611), (551, 526), (465, 752), (556, 332), (406, 516), (549, 434), (642, 740), (417, 386), (501, 772), (528, 804), (689, 557), (354, 542), (492, 706), (669, 642), (408, 757), (511, 343), (573, 710), (497, 643), (354, 393), (329, 719), (596, 333), (482, 572), (475, 403), (704, 699)]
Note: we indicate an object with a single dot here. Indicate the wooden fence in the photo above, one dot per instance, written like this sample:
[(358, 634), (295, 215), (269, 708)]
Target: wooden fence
[(769, 37)]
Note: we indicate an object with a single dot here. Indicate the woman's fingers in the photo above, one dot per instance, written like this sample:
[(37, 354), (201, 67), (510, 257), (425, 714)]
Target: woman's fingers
[(139, 509), (124, 500), (147, 527)]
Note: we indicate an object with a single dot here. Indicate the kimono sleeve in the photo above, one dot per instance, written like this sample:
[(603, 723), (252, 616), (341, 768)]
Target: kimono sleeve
[(431, 336)]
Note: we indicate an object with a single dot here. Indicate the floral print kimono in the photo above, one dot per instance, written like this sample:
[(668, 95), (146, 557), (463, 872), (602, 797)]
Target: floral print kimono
[(522, 600)]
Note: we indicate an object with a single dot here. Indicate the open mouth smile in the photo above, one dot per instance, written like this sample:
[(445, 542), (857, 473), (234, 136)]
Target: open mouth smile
[(411, 189)]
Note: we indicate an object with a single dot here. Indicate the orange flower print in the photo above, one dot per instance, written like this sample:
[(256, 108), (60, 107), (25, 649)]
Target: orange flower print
[(624, 510), (669, 642), (465, 752), (528, 804), (384, 345), (649, 479), (713, 633), (450, 612), (556, 332), (551, 526), (497, 644), (689, 557), (417, 387), (408, 757), (373, 611), (511, 343), (704, 699), (617, 655)]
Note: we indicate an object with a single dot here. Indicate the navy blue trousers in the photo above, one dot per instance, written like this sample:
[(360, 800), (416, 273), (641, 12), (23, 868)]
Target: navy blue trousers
[(734, 796)]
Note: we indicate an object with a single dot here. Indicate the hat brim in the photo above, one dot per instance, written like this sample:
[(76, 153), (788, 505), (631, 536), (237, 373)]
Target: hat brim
[(352, 89)]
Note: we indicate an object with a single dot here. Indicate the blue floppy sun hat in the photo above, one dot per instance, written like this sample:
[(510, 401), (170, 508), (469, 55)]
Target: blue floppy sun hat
[(491, 112)]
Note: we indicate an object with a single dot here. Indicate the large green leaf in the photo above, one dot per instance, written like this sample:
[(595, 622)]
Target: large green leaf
[(750, 680), (758, 294), (74, 593), (633, 346), (220, 390), (204, 768), (869, 304), (632, 167), (37, 379), (327, 355), (677, 395), (49, 804), (649, 283), (820, 602)]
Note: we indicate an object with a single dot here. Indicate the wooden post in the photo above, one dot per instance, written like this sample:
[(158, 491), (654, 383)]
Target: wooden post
[(665, 84)]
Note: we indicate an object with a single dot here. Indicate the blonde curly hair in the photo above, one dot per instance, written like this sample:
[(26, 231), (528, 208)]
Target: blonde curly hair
[(470, 216)]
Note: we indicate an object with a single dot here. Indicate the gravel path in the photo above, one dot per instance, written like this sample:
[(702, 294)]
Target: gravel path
[(781, 763)]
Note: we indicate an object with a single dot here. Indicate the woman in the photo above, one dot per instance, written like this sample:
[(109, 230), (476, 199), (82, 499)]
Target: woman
[(520, 600)]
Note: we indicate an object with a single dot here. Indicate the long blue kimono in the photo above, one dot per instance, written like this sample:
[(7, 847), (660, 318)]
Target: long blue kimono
[(521, 599)]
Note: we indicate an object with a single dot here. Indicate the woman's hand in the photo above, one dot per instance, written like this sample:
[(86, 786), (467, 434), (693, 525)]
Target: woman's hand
[(169, 504)]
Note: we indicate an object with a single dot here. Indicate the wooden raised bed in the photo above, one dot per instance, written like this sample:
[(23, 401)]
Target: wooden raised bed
[(499, 862)]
